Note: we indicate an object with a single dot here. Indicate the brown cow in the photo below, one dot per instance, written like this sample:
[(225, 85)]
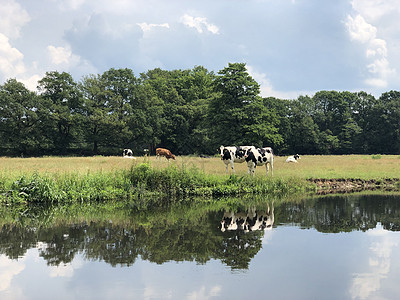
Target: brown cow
[(164, 152)]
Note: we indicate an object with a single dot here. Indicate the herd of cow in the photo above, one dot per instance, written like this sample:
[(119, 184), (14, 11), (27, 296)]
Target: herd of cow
[(234, 154)]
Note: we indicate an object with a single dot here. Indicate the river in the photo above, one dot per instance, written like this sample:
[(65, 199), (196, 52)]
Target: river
[(330, 247)]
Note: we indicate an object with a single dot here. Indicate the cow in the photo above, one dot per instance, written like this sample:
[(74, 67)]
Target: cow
[(293, 158), (127, 153), (231, 154), (259, 157), (164, 152), (251, 220)]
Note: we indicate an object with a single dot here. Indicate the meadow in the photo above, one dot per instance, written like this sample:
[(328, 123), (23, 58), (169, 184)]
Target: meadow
[(309, 166), (146, 182)]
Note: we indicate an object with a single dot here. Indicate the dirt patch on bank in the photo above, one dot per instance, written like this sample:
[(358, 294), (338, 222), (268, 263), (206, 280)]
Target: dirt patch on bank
[(342, 185)]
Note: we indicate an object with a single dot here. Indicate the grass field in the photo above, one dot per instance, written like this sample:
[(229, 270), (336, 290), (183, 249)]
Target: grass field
[(49, 180), (309, 166)]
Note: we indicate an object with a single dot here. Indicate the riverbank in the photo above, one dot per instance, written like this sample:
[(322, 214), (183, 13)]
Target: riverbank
[(146, 182), (353, 185), (143, 186)]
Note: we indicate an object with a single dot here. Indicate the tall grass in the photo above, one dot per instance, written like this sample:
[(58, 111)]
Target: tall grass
[(146, 182), (142, 184)]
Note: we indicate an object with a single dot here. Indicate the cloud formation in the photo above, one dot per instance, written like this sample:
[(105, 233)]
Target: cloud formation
[(375, 51), (343, 45), (365, 284), (199, 24)]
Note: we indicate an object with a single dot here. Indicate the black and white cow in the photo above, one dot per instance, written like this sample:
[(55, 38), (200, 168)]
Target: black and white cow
[(231, 154), (293, 158), (259, 157), (252, 220), (127, 153)]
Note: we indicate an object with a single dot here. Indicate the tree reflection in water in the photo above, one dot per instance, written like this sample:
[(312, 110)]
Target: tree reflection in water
[(231, 236)]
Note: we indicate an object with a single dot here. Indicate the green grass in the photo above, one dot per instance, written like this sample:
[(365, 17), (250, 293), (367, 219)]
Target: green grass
[(142, 184), (147, 182), (309, 166)]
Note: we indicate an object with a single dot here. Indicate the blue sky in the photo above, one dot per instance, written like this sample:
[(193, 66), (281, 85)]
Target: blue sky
[(290, 47)]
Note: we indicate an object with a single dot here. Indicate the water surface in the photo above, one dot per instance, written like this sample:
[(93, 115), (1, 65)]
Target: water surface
[(337, 247)]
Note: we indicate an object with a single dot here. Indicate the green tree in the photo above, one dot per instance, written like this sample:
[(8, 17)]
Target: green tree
[(119, 94), (182, 99), (334, 116), (303, 134), (21, 118), (196, 88), (281, 109), (382, 124), (172, 122), (64, 103), (237, 114), (97, 120)]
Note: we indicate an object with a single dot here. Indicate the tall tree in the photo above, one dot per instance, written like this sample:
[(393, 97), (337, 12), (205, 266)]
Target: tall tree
[(334, 116), (302, 134), (196, 88), (21, 118), (119, 93), (383, 126), (362, 108), (97, 120), (60, 91), (182, 96), (237, 114)]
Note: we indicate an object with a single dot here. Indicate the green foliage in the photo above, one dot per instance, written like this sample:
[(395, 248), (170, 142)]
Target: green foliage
[(189, 112), (143, 186), (237, 113)]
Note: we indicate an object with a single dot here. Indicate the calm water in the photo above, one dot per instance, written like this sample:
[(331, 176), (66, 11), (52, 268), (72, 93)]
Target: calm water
[(323, 248)]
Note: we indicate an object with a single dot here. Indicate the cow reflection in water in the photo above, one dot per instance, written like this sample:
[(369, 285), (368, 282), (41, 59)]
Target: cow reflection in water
[(250, 221)]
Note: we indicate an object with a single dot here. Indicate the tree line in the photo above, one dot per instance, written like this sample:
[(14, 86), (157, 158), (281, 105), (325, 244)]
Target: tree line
[(190, 111)]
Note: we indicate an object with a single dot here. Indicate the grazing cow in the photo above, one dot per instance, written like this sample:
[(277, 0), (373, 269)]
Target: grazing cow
[(251, 221), (230, 155), (259, 157), (293, 158), (127, 153), (164, 152)]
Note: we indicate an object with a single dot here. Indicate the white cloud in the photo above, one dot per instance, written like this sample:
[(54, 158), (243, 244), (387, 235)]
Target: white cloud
[(360, 30), (11, 63), (59, 55), (379, 68), (9, 269), (147, 27), (199, 24), (367, 283), (74, 4), (31, 82), (266, 88), (215, 291), (63, 57), (373, 10), (12, 18)]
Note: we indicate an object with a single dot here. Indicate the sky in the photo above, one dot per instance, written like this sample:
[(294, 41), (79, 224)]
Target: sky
[(290, 47)]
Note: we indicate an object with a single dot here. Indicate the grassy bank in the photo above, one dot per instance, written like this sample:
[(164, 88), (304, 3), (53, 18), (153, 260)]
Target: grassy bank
[(149, 182), (142, 184)]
